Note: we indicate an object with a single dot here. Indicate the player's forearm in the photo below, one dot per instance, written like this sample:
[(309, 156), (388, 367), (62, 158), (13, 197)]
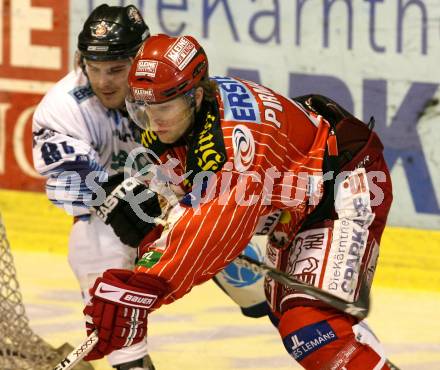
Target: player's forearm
[(190, 253)]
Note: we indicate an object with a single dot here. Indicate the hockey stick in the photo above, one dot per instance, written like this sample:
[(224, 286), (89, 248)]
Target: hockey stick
[(359, 309), (78, 353)]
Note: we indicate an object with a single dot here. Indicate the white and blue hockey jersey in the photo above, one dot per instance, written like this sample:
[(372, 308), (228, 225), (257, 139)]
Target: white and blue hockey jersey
[(74, 136)]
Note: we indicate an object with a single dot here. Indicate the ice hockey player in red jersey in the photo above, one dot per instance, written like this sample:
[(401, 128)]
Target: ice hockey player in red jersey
[(246, 160)]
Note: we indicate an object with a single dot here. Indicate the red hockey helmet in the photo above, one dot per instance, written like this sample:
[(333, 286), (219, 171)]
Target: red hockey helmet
[(166, 67)]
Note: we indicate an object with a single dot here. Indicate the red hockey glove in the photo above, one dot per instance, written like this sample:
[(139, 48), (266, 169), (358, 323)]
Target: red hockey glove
[(118, 310)]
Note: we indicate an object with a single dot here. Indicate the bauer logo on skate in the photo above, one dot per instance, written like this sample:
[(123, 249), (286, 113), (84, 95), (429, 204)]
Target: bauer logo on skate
[(307, 340)]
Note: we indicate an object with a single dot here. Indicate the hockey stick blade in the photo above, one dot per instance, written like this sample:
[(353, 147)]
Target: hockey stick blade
[(78, 353), (359, 309)]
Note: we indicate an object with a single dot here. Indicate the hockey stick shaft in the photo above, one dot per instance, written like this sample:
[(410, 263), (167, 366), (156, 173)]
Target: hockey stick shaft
[(359, 309), (78, 353)]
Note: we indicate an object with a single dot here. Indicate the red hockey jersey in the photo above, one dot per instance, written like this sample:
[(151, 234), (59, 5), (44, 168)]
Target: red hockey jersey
[(252, 153)]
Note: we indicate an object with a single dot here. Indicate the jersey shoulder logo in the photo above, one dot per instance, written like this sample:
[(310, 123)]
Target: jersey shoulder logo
[(239, 102), (243, 145), (81, 93)]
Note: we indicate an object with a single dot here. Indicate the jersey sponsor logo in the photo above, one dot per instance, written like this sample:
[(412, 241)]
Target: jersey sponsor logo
[(238, 101), (353, 196), (296, 342), (307, 256), (239, 276), (181, 52), (344, 259), (149, 259), (81, 93), (146, 67), (244, 147), (267, 223), (309, 339)]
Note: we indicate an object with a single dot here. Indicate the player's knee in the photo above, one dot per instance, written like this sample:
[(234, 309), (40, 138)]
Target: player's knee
[(324, 339)]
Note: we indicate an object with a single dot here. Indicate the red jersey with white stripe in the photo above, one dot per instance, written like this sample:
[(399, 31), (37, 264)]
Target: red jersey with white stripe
[(262, 153)]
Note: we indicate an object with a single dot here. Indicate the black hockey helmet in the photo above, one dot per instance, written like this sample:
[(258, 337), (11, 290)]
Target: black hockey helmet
[(112, 32)]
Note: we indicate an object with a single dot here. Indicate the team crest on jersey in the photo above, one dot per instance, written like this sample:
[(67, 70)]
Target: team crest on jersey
[(181, 52), (146, 67), (244, 147)]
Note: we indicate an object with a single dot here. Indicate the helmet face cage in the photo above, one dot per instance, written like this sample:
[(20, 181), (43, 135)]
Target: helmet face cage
[(112, 33), (167, 67)]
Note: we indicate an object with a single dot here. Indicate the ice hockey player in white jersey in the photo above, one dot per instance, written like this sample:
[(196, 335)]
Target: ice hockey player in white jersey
[(81, 127), (82, 136)]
